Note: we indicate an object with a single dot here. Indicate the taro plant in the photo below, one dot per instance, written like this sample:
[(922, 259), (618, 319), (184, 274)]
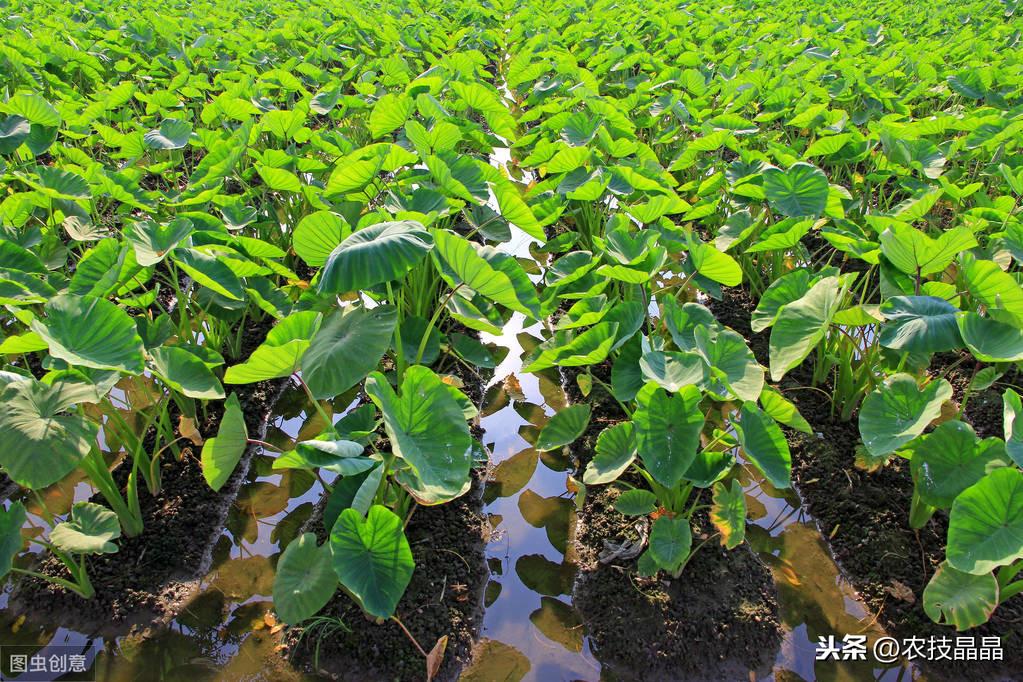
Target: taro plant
[(89, 529), (975, 481)]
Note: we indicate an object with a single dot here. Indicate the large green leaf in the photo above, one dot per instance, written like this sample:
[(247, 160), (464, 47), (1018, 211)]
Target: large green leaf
[(732, 368), (41, 444), (186, 373), (347, 346), (960, 599), (802, 324), (920, 324), (172, 134), (90, 530), (221, 454), (281, 353), (614, 452), (305, 579), (802, 190), (985, 526), (950, 459), (427, 430), (914, 252), (152, 241), (374, 255), (671, 540), (997, 290), (728, 513), (341, 456), (783, 410), (564, 427), (317, 235), (667, 431), (499, 279), (990, 340), (566, 349), (11, 521), (672, 370), (372, 558), (389, 113), (209, 271), (898, 411), (765, 445), (91, 332)]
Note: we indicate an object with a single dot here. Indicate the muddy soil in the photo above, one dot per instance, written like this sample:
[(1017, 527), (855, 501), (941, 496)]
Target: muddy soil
[(719, 620), (444, 597), (864, 516), (154, 573)]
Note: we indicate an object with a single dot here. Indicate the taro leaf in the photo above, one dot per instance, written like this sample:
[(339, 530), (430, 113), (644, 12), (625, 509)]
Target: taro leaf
[(57, 183), (13, 131), (390, 113), (802, 324), (709, 467), (782, 410), (912, 251), (89, 531), (281, 353), (668, 431), (564, 427), (185, 373), (209, 271), (671, 539), (786, 289), (91, 332), (997, 290), (472, 351), (626, 375), (305, 579), (427, 429), (153, 241), (221, 454), (950, 459), (985, 526), (728, 513), (990, 340), (802, 190), (1012, 423), (566, 349), (733, 369), (615, 451), (414, 330), (11, 521), (898, 411), (374, 255), (372, 558), (355, 492), (342, 456), (920, 324), (34, 108), (683, 321), (172, 134), (963, 600), (489, 273), (317, 235), (764, 444), (41, 445), (673, 370), (347, 346), (715, 265), (636, 502)]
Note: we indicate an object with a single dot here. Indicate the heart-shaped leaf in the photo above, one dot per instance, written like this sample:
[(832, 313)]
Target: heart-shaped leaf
[(305, 579), (372, 558), (90, 530)]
